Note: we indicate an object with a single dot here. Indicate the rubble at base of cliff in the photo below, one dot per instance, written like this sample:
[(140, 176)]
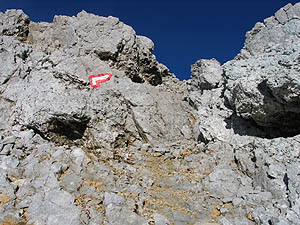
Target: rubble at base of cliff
[(146, 148)]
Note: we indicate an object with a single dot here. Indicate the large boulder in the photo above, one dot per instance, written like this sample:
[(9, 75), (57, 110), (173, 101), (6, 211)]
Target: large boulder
[(263, 84), (206, 74)]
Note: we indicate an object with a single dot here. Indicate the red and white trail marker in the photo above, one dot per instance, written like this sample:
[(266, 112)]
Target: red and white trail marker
[(95, 80)]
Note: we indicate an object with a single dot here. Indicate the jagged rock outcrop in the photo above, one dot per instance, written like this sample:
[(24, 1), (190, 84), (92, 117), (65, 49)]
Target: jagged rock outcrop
[(49, 85), (263, 82), (257, 101), (144, 147), (15, 23), (89, 37), (205, 95), (55, 127)]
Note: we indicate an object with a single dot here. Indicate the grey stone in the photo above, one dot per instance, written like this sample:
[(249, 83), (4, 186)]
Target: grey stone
[(114, 199), (161, 150), (160, 219), (269, 170), (224, 221), (14, 23), (9, 140), (206, 74), (59, 168), (205, 223), (258, 198), (211, 116), (146, 181), (71, 182), (293, 12), (114, 34), (46, 182), (6, 188), (9, 164), (140, 122), (240, 221), (237, 201), (145, 147), (117, 213), (222, 183), (95, 217), (71, 58), (262, 82), (281, 16), (7, 149), (79, 159), (53, 207), (181, 218)]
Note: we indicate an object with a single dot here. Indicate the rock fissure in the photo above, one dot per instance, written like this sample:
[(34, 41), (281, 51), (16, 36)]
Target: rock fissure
[(140, 130)]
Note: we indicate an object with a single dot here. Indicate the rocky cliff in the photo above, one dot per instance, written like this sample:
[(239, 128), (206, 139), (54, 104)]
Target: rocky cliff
[(144, 147)]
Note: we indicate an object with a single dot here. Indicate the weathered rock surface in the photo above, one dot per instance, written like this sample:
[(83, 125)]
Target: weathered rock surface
[(146, 148), (272, 164), (263, 82), (254, 110), (58, 135), (206, 74), (89, 37)]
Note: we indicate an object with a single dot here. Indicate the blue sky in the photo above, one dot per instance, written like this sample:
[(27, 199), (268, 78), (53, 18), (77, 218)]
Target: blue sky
[(182, 31)]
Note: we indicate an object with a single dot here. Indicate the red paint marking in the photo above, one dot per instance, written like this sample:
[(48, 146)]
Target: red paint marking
[(95, 80)]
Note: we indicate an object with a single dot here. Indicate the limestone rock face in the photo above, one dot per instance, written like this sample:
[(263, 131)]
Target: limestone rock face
[(15, 23), (88, 37), (55, 126), (263, 82), (48, 84), (206, 74), (273, 164), (254, 108), (144, 147)]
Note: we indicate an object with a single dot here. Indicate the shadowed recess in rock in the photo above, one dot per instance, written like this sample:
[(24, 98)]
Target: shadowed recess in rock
[(245, 127), (70, 127)]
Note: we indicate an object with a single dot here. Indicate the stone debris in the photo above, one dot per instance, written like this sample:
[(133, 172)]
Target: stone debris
[(146, 148)]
